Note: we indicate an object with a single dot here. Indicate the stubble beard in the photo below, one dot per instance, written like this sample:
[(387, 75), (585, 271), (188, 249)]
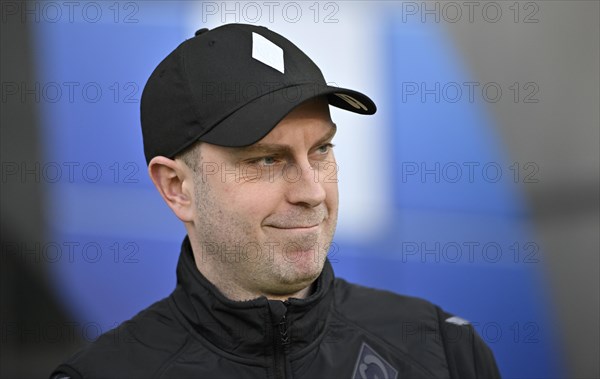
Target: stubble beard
[(244, 265)]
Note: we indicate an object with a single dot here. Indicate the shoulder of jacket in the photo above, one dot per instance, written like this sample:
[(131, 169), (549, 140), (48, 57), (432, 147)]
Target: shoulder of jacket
[(416, 326), (358, 302), (405, 325), (138, 347), (467, 353)]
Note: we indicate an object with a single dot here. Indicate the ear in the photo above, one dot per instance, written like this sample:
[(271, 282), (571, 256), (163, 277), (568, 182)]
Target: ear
[(174, 182)]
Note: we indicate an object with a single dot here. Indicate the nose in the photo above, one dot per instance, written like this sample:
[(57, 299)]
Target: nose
[(304, 185)]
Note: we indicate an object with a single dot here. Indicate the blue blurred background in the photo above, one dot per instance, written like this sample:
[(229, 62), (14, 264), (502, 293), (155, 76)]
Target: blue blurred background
[(475, 185)]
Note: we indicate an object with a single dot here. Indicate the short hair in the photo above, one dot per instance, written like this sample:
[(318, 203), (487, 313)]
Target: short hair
[(191, 156)]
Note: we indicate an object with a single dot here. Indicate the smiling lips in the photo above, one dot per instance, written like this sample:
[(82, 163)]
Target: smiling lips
[(291, 227), (297, 221)]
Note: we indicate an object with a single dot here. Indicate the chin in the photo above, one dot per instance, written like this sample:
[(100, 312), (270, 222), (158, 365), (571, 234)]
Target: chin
[(301, 269)]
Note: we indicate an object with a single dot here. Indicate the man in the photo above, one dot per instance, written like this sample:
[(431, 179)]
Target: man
[(237, 137)]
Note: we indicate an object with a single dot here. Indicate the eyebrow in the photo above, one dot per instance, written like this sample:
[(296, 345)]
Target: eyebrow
[(274, 148)]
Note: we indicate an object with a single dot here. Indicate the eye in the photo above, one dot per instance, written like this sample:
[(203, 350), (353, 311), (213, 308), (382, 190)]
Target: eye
[(324, 149), (264, 161), (267, 161)]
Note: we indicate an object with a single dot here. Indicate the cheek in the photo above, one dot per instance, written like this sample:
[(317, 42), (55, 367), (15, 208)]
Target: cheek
[(331, 189), (329, 180), (250, 200)]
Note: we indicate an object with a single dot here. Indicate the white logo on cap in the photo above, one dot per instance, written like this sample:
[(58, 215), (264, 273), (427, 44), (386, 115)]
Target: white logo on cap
[(267, 52), (352, 101)]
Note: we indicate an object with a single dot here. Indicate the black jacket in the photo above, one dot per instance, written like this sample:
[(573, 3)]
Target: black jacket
[(341, 330)]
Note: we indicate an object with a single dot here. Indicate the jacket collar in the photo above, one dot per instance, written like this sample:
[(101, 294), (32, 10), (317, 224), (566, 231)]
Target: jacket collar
[(250, 328)]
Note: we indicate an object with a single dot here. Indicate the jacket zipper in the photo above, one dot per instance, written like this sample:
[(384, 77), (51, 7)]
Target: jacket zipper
[(282, 339)]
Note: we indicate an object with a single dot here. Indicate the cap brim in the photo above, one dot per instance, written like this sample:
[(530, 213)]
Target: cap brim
[(257, 118)]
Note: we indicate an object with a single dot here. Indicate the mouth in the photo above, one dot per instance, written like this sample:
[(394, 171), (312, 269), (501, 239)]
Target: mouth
[(297, 223), (295, 227)]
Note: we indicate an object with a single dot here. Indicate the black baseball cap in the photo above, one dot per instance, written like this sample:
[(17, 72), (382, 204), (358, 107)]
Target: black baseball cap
[(230, 86)]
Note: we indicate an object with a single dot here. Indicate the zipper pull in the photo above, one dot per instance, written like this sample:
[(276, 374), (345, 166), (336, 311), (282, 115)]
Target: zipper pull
[(278, 311), (283, 331), (283, 326)]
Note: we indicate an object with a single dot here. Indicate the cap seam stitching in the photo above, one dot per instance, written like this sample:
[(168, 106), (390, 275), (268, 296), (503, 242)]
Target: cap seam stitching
[(260, 97)]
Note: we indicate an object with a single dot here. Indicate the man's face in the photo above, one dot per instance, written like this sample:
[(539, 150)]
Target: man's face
[(266, 214)]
